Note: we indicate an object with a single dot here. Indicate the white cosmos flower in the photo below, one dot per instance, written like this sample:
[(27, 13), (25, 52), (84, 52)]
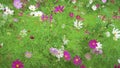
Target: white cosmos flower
[(23, 33), (99, 46), (8, 11), (107, 34), (116, 33), (32, 7), (78, 24), (36, 13), (119, 61), (59, 54), (73, 1), (65, 41), (1, 7), (94, 7), (90, 1)]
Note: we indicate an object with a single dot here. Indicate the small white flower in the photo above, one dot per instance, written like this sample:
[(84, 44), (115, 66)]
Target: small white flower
[(59, 54), (78, 25), (63, 26), (107, 34), (73, 1), (8, 11), (119, 61), (99, 46), (36, 13), (116, 33), (23, 33), (65, 41), (94, 7), (90, 1), (1, 44), (32, 7), (1, 7)]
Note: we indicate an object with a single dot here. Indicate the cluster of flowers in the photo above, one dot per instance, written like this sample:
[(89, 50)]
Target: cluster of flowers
[(6, 10)]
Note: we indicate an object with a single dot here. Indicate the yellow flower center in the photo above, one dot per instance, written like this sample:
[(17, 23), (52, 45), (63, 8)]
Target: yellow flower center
[(76, 59), (17, 66)]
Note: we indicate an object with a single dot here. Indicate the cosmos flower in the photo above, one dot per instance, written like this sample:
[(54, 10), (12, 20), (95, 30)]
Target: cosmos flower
[(1, 7), (88, 56), (51, 18), (116, 33), (44, 17), (65, 41), (59, 9), (59, 54), (74, 1), (23, 33), (95, 51), (17, 64), (99, 46), (71, 14), (8, 11), (119, 61), (17, 4), (28, 54), (94, 7), (93, 44), (77, 60), (104, 1), (36, 13), (78, 24), (117, 66), (90, 1), (82, 66), (67, 55), (107, 34), (32, 8), (53, 51)]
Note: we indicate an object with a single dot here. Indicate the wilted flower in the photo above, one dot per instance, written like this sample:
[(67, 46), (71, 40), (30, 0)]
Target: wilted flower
[(28, 54), (88, 56)]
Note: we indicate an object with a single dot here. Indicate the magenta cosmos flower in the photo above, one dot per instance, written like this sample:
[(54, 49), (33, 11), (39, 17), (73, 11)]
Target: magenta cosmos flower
[(17, 64), (93, 44), (77, 60), (71, 14), (17, 4), (44, 17), (59, 9), (67, 55), (82, 66), (117, 66)]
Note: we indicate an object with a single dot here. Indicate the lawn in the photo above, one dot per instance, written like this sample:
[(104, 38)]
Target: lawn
[(59, 34)]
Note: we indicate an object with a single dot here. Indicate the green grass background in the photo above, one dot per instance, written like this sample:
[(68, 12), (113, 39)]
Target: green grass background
[(50, 35)]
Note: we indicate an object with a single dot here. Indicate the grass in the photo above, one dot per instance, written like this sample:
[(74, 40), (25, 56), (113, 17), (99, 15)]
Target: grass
[(49, 35)]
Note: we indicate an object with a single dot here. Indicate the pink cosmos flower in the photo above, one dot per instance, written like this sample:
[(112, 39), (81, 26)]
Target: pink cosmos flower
[(71, 14), (92, 44), (44, 17), (28, 54), (53, 51), (82, 66), (67, 55), (77, 60), (17, 4), (17, 64), (88, 56), (95, 51), (59, 9), (104, 1)]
